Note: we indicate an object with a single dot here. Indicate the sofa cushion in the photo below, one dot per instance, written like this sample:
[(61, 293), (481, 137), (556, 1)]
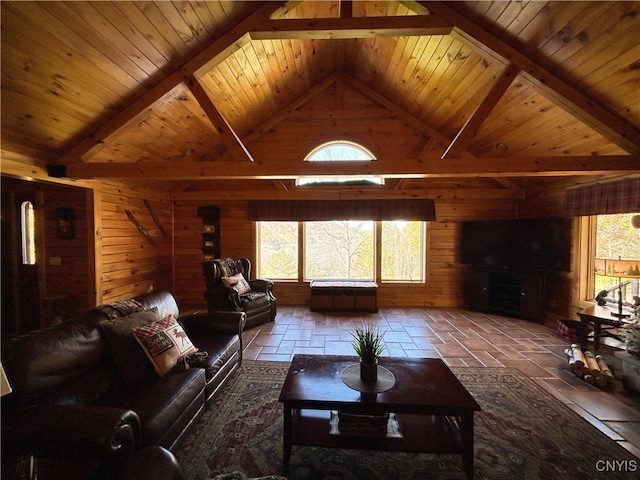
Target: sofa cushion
[(130, 359), (220, 348), (253, 300), (164, 342), (238, 282)]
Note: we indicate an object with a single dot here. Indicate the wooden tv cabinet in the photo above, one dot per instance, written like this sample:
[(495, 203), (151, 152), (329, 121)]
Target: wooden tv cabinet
[(344, 296)]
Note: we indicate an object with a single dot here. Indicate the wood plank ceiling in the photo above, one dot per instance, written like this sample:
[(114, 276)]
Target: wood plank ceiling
[(189, 93)]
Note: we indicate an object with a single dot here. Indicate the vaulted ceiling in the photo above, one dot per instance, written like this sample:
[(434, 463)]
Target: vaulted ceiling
[(191, 94)]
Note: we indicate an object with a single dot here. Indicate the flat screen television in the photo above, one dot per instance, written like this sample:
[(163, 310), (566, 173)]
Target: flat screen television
[(535, 245)]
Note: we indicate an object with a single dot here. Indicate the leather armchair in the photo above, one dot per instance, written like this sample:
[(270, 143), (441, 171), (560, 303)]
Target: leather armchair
[(259, 303)]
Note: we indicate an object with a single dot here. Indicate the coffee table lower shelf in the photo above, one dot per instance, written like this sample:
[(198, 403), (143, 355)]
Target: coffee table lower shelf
[(420, 434)]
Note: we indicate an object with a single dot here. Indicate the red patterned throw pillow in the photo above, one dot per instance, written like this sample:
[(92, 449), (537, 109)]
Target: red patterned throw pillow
[(164, 342)]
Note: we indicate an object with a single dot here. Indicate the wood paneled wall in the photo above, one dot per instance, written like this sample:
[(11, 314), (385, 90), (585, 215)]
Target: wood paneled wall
[(127, 263), (445, 273), (64, 261)]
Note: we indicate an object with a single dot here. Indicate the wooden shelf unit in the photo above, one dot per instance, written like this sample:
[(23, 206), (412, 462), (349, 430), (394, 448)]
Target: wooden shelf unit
[(210, 231)]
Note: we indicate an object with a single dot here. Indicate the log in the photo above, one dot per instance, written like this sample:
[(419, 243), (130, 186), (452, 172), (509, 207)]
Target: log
[(572, 363), (592, 363), (578, 355), (606, 371)]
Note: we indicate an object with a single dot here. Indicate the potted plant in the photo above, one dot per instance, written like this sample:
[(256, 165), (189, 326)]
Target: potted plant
[(369, 345)]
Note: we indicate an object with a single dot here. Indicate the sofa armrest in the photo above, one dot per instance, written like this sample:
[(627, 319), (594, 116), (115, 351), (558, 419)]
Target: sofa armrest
[(223, 298), (108, 434), (213, 322), (153, 462), (261, 285)]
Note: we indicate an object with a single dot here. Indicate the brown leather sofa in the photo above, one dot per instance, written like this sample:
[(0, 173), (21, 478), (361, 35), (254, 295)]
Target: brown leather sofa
[(256, 300), (72, 404)]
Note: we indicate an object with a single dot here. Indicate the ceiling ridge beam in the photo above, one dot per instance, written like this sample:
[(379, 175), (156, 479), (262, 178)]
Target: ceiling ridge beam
[(609, 124), (229, 136), (395, 168), (350, 27), (167, 88), (410, 119), (486, 106)]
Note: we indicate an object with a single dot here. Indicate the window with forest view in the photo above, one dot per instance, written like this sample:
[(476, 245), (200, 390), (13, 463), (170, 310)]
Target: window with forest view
[(403, 244), (278, 250), (339, 250), (344, 250), (617, 256)]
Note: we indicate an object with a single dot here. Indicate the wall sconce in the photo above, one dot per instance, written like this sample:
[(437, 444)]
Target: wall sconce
[(65, 223)]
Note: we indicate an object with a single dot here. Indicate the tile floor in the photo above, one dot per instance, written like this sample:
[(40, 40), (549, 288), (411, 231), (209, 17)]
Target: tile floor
[(460, 338)]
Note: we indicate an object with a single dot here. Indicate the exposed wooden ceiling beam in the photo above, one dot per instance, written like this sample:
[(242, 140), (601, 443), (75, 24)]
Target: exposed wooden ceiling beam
[(586, 109), (170, 86), (136, 112), (350, 27), (229, 136), (471, 194), (491, 99), (397, 168)]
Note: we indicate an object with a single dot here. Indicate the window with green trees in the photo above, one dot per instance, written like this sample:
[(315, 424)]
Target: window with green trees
[(617, 239), (344, 249)]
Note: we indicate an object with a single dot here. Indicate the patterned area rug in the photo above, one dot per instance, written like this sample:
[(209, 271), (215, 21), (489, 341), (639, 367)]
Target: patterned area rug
[(522, 432)]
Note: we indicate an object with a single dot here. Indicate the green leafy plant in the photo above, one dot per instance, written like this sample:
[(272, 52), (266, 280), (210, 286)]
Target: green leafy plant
[(368, 343), (632, 337)]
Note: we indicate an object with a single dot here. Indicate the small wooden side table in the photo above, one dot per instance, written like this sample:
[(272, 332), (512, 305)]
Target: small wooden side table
[(604, 325)]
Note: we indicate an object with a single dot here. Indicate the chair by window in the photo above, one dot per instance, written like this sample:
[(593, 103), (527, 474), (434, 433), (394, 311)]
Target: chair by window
[(230, 288)]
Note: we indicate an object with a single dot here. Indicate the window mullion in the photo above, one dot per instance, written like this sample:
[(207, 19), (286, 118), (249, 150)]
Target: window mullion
[(378, 252), (301, 252)]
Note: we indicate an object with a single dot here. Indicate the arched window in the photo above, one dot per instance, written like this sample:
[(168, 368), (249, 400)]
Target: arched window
[(339, 150), (28, 230)]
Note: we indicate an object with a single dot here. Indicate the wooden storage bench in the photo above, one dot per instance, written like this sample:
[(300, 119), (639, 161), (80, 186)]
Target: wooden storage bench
[(344, 296)]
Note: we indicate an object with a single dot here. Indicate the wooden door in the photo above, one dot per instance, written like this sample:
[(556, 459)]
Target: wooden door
[(20, 279)]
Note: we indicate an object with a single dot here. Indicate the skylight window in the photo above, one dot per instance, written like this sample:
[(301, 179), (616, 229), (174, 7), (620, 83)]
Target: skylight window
[(340, 151)]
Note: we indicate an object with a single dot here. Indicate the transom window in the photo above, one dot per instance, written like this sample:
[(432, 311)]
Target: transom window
[(340, 150)]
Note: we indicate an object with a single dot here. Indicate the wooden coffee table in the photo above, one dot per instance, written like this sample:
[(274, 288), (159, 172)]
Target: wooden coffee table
[(433, 410)]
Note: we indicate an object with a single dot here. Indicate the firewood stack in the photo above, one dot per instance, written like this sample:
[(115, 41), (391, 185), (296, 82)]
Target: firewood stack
[(591, 368)]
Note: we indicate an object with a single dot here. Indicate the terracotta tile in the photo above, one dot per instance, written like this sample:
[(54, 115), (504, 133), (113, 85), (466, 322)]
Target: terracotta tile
[(527, 367), (630, 431), (486, 359), (603, 406), (452, 351), (454, 362), (297, 335)]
